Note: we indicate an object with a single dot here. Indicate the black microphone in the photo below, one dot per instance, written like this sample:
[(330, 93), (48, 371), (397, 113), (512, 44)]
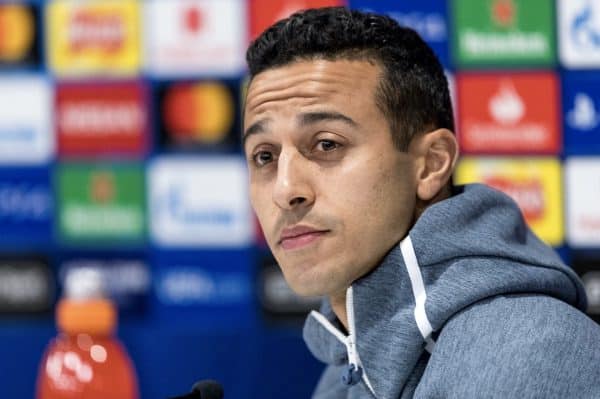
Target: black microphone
[(205, 389)]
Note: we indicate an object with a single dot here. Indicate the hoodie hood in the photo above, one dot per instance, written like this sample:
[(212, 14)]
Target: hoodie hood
[(464, 249)]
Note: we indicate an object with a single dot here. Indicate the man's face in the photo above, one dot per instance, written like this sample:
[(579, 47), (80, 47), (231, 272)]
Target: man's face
[(331, 192)]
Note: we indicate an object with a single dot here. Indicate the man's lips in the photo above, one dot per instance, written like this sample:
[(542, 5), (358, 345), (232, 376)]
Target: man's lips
[(299, 236)]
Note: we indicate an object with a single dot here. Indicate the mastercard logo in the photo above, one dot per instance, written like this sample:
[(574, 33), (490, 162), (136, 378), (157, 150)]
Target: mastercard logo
[(198, 112), (16, 32)]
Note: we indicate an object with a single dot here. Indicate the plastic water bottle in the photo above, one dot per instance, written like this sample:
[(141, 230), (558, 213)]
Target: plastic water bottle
[(86, 360)]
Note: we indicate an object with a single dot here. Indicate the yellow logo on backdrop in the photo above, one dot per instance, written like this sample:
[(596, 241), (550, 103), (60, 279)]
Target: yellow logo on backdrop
[(534, 183), (16, 32), (94, 37)]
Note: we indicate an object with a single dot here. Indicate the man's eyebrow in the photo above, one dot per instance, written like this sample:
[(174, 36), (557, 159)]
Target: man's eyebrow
[(256, 128), (307, 118), (315, 117)]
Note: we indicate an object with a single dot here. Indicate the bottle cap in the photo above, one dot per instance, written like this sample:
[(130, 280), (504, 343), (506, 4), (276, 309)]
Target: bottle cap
[(84, 308)]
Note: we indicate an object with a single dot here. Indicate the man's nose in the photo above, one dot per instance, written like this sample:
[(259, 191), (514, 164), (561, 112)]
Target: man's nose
[(293, 185)]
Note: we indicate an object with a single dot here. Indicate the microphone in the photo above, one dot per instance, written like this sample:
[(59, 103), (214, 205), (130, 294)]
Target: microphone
[(205, 389)]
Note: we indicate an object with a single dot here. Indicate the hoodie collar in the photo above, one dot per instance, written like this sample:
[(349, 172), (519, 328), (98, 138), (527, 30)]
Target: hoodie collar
[(383, 307), (467, 248)]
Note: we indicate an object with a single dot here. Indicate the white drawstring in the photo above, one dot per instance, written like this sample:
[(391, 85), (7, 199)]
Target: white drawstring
[(418, 288)]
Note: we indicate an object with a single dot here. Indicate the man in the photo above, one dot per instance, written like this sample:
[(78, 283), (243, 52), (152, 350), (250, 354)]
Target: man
[(431, 291)]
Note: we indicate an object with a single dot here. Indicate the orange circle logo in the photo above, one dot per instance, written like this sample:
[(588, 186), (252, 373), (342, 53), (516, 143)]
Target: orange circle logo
[(16, 32), (199, 112)]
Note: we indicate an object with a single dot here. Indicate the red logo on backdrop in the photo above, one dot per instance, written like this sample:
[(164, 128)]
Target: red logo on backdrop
[(508, 113), (193, 19), (89, 29), (263, 13), (529, 194), (96, 119)]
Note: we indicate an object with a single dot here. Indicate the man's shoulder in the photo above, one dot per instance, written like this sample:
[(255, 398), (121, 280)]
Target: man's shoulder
[(518, 308), (518, 346), (528, 317), (521, 325)]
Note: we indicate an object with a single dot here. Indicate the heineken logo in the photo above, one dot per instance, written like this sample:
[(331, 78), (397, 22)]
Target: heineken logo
[(101, 202), (500, 45), (515, 32)]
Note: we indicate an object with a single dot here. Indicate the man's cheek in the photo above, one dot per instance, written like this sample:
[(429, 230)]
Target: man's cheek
[(258, 206), (266, 224)]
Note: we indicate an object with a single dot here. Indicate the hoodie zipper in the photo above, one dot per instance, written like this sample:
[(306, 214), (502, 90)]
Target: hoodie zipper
[(355, 371), (353, 358)]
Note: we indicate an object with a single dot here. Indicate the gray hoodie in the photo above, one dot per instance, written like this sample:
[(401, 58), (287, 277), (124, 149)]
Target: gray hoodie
[(470, 304)]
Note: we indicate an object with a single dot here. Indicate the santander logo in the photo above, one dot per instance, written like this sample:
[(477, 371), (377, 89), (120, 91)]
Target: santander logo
[(502, 113), (506, 107), (289, 8)]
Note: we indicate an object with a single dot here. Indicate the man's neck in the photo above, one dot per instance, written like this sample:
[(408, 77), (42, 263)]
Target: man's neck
[(338, 300), (338, 304)]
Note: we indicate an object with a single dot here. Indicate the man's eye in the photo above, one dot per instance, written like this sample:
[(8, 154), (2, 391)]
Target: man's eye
[(327, 145), (262, 158)]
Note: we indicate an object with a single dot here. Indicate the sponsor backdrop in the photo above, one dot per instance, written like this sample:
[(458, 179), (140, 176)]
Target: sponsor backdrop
[(119, 150)]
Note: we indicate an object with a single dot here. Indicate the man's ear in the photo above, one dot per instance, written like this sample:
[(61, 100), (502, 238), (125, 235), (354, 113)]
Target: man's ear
[(436, 153)]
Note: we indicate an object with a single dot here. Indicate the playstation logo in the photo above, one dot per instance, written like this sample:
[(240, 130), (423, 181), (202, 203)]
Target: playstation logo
[(584, 115)]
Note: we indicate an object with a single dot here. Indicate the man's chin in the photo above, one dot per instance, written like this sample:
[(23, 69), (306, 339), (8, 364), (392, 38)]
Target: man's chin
[(307, 288), (304, 291), (307, 279)]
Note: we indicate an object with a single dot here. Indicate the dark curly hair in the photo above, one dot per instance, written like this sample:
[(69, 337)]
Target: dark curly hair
[(413, 91)]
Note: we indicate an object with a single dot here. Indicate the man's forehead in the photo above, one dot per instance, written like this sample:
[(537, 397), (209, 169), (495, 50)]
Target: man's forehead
[(309, 80)]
